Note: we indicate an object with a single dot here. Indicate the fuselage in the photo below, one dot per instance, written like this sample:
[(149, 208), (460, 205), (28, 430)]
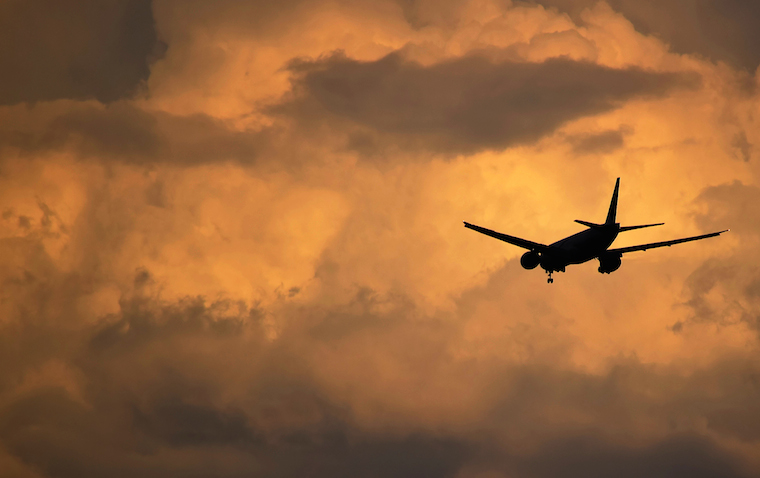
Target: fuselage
[(579, 248)]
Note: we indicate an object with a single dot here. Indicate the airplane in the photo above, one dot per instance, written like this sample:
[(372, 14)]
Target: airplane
[(593, 243)]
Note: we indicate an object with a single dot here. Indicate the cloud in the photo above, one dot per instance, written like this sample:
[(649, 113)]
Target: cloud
[(745, 147), (216, 279), (195, 387), (726, 290), (466, 104), (717, 29), (164, 387), (121, 131), (599, 143), (593, 458), (731, 205), (75, 49)]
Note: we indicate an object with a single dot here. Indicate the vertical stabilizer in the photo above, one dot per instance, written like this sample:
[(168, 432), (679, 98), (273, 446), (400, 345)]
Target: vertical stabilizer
[(613, 204)]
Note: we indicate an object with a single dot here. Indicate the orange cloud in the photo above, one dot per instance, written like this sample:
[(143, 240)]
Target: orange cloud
[(252, 261)]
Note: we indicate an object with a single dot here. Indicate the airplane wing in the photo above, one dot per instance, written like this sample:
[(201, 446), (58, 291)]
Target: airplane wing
[(644, 247), (524, 243)]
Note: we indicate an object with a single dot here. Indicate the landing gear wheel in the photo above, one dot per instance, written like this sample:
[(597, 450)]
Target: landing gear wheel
[(549, 280)]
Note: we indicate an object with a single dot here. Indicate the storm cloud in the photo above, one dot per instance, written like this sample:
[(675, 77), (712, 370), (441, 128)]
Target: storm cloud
[(472, 103), (75, 49)]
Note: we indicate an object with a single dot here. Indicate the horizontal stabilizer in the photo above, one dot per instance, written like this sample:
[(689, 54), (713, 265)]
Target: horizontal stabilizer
[(589, 224), (630, 228)]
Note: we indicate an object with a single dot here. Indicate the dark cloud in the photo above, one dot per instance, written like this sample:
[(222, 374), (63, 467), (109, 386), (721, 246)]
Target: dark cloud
[(248, 18), (422, 13), (718, 29), (124, 132), (466, 104), (342, 322), (599, 143), (741, 143), (158, 380), (154, 407), (64, 439), (76, 49), (181, 423), (593, 458)]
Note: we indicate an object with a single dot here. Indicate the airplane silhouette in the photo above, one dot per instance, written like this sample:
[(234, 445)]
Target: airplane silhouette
[(590, 244)]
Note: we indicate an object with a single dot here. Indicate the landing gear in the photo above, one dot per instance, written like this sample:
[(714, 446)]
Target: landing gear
[(550, 280)]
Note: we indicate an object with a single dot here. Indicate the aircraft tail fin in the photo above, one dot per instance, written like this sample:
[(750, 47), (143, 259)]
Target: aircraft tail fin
[(613, 204), (629, 228)]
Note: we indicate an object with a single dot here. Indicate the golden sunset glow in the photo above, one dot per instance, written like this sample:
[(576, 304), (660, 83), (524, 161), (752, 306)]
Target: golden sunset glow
[(231, 238)]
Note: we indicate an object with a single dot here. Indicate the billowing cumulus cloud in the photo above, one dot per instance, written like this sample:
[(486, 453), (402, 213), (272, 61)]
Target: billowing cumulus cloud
[(717, 29), (245, 257)]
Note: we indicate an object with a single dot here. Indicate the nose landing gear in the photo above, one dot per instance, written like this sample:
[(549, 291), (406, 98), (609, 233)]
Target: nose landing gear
[(549, 280)]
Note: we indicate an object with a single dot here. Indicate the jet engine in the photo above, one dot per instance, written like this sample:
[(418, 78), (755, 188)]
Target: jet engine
[(609, 262), (530, 260)]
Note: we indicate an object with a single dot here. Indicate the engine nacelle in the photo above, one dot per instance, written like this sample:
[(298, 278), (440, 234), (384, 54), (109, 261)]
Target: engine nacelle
[(609, 262), (530, 260)]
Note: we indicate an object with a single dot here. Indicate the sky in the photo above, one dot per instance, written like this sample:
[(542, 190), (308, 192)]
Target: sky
[(231, 238)]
